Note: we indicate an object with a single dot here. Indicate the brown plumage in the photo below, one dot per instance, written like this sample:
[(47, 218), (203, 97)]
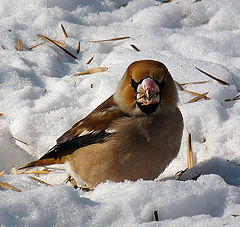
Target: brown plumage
[(134, 134)]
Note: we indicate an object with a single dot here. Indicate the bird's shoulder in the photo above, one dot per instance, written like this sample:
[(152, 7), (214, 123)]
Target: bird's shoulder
[(98, 120)]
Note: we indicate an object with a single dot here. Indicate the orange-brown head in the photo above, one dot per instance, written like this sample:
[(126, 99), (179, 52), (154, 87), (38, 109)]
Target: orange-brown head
[(146, 88)]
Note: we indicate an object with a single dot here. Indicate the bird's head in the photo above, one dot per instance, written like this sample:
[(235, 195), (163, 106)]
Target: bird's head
[(146, 88)]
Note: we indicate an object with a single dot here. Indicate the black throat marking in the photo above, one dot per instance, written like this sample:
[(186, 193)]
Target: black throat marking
[(148, 109)]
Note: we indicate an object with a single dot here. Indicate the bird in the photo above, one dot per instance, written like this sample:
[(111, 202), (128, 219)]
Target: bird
[(132, 135)]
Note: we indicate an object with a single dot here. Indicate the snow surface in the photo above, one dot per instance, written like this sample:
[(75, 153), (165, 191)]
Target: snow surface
[(40, 99)]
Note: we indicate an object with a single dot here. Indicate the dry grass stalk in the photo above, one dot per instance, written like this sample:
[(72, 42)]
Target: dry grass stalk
[(197, 1), (189, 152), (166, 1), (7, 186), (3, 47), (44, 171), (78, 48), (205, 22), (155, 213), (19, 45), (57, 44), (134, 47), (90, 60), (31, 47), (1, 173), (213, 77), (39, 181), (138, 99), (64, 31), (195, 82), (20, 141), (233, 99), (195, 94), (114, 39), (1, 114), (92, 70), (179, 86), (201, 96)]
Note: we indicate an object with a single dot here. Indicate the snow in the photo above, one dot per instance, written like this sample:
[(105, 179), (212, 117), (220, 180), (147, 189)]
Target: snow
[(41, 99)]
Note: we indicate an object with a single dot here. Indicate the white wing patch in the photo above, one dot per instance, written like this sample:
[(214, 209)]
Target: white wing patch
[(86, 132), (110, 130)]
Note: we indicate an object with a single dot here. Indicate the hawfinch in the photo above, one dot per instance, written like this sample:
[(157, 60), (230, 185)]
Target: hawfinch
[(134, 134)]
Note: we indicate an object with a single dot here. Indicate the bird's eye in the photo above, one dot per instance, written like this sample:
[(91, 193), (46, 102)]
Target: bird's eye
[(134, 84), (162, 83)]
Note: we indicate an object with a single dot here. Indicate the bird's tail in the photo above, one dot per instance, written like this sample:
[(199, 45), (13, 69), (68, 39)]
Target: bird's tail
[(41, 162)]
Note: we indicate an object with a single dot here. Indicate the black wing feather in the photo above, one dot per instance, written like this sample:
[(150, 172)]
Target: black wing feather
[(76, 142)]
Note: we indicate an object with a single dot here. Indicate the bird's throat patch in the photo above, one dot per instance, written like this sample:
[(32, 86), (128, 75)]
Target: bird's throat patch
[(148, 109)]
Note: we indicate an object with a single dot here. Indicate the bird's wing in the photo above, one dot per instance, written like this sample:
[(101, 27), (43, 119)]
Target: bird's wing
[(95, 128), (58, 153), (99, 119)]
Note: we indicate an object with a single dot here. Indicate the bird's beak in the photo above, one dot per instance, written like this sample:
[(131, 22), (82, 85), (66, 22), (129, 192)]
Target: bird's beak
[(148, 92)]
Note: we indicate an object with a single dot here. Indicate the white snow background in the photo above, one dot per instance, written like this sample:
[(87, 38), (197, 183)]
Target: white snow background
[(40, 99)]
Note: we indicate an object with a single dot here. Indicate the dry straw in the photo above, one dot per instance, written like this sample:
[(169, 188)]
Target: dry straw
[(113, 39), (201, 96), (233, 99), (21, 141), (196, 94), (57, 44), (195, 82), (19, 45), (213, 77), (90, 60), (64, 31), (78, 48), (189, 152), (38, 172), (92, 70), (134, 47), (1, 173), (39, 181), (7, 186)]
